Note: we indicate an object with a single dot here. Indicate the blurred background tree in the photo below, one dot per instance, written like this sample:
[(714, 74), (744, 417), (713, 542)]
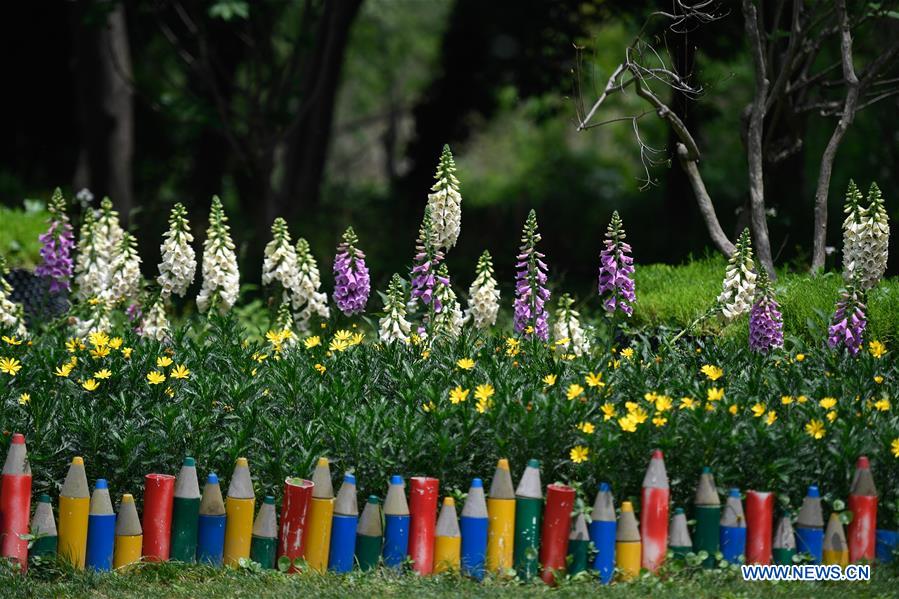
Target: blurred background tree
[(334, 112)]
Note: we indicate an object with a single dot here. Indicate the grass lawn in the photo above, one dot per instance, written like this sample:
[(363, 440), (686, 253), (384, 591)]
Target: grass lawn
[(170, 580)]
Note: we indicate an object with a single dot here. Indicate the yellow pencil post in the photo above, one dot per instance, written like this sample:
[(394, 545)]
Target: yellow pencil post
[(628, 547), (129, 536), (240, 507), (448, 540), (836, 549), (317, 540), (74, 508), (501, 519)]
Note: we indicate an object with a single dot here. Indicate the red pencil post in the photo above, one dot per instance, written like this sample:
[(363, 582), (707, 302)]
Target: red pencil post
[(863, 505), (654, 501), (759, 525), (555, 531), (297, 494), (159, 493), (423, 495), (15, 502)]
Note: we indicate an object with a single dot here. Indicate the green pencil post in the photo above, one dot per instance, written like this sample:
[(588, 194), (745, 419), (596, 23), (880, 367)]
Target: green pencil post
[(369, 535), (185, 513), (708, 517), (528, 511)]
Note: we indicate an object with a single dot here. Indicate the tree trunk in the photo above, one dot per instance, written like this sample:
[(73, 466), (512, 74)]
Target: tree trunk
[(754, 138), (306, 142), (819, 239), (105, 104)]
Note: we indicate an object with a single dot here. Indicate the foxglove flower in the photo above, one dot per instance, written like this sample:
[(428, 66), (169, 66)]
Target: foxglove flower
[(221, 279), (284, 322), (424, 269), (567, 331), (179, 262), (393, 326), (616, 270), (56, 246), (126, 279), (483, 295), (280, 263), (765, 320), (90, 269), (866, 238), (445, 203), (12, 315), (531, 294), (739, 280), (155, 324), (109, 235), (447, 321), (97, 318), (309, 300), (847, 327), (352, 283)]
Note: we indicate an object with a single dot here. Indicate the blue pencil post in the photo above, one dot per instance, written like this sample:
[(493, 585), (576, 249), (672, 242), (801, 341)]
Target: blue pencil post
[(473, 526), (810, 526), (733, 529), (211, 524), (343, 527), (100, 529), (396, 523), (603, 529)]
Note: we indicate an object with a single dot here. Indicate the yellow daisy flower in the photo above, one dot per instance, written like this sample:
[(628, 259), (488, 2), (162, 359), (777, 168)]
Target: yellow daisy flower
[(465, 363), (155, 377), (758, 410), (313, 341), (343, 335), (771, 417), (608, 411), (98, 339), (877, 349), (579, 454), (627, 424), (179, 372), (663, 403), (126, 351), (733, 409), (549, 380), (815, 429), (484, 392), (24, 399), (627, 353), (163, 362), (832, 415), (483, 405), (827, 402), (573, 391), (12, 340), (100, 352), (882, 404), (103, 374), (64, 370), (10, 366), (320, 368), (357, 338), (586, 427), (714, 394), (659, 421), (338, 345), (90, 384), (786, 399), (894, 447), (687, 403), (594, 380), (712, 372), (878, 379), (458, 395), (800, 357)]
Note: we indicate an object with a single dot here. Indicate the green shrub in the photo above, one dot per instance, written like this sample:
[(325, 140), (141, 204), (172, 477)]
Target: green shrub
[(19, 235)]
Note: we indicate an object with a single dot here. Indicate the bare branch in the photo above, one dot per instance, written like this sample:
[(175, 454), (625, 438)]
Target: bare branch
[(611, 87)]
